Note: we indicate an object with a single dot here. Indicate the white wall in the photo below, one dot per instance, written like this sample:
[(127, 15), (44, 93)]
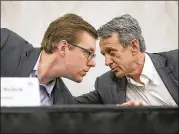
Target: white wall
[(158, 20)]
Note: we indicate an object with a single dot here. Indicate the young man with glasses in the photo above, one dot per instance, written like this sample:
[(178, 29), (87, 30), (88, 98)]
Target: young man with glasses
[(67, 50)]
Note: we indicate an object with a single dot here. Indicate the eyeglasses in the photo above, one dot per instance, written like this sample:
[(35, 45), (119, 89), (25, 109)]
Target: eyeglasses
[(91, 54)]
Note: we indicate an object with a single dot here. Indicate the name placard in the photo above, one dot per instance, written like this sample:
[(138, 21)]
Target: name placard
[(20, 91)]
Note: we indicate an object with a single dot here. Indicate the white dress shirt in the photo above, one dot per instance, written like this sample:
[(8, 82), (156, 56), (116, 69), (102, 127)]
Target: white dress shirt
[(153, 92)]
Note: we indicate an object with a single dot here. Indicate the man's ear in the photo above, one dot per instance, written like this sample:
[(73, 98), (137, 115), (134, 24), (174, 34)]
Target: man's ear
[(135, 47), (62, 47)]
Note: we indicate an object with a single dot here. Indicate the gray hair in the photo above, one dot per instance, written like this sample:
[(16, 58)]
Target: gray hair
[(127, 28)]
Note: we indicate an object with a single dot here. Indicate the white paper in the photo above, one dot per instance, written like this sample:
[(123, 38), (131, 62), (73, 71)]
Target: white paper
[(20, 92)]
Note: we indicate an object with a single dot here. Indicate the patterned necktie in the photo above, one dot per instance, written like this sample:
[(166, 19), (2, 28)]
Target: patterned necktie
[(44, 97)]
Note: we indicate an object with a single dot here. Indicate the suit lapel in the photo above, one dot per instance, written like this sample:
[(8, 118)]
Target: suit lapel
[(167, 77), (27, 62), (166, 74), (121, 90), (57, 92), (61, 93), (118, 90)]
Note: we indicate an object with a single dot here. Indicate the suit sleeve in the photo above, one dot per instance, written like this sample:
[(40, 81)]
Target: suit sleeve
[(4, 36), (174, 62), (92, 97), (13, 40), (13, 47)]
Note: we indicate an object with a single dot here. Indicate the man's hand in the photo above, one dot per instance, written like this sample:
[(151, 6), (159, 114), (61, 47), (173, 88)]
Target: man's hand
[(131, 103)]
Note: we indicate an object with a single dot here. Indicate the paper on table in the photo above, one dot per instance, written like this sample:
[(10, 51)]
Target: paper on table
[(20, 91)]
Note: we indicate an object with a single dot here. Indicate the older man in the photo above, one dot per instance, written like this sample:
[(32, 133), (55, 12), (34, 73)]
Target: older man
[(136, 77), (67, 50)]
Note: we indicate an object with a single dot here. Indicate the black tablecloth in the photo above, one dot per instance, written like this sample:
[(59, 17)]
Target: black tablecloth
[(89, 119)]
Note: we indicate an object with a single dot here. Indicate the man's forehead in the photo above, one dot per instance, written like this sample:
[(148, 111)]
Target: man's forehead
[(113, 38), (108, 43), (88, 45)]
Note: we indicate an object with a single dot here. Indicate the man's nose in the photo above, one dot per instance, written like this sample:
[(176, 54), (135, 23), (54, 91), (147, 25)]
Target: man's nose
[(92, 62), (108, 60)]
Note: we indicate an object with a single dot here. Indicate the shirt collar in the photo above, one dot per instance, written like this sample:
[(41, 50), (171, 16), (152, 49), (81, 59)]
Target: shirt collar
[(49, 87), (37, 63), (149, 70), (148, 73)]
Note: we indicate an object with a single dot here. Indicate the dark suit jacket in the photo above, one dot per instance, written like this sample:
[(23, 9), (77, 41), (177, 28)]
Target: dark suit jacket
[(112, 90), (18, 59)]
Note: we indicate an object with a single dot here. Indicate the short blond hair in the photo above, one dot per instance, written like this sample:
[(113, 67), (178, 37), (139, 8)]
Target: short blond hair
[(65, 28)]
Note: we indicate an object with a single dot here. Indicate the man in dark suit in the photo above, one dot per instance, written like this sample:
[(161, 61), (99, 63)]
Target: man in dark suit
[(136, 77), (67, 50)]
